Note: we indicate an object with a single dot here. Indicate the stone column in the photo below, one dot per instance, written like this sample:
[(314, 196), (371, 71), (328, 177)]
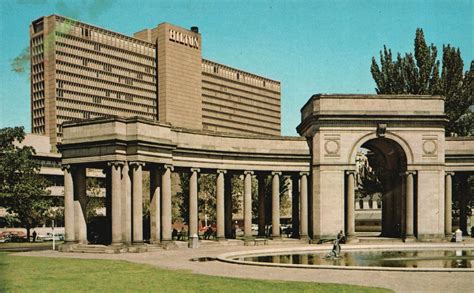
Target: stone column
[(463, 202), (80, 204), (295, 206), (261, 204), (228, 205), (350, 201), (155, 206), (166, 202), (108, 204), (116, 171), (68, 204), (220, 204), (448, 200), (276, 204), (126, 205), (193, 202), (409, 205), (403, 187), (248, 204), (304, 205), (137, 203)]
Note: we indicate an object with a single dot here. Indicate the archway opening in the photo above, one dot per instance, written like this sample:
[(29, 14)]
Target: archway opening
[(379, 188)]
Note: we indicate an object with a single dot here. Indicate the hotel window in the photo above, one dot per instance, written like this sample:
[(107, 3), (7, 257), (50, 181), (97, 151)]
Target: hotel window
[(38, 26)]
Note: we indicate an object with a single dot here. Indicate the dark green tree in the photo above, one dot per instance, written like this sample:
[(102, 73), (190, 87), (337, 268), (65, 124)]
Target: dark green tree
[(95, 200), (22, 189), (206, 197), (419, 74)]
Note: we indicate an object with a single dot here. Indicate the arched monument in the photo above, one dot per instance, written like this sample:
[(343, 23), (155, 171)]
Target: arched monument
[(405, 132)]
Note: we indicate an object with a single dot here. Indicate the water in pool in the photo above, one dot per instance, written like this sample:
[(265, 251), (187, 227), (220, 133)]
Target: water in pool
[(401, 259)]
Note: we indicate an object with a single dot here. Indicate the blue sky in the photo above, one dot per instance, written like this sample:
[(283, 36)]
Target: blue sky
[(310, 46)]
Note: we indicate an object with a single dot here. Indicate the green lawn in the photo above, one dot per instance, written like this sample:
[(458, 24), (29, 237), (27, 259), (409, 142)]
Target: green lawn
[(29, 244), (41, 274)]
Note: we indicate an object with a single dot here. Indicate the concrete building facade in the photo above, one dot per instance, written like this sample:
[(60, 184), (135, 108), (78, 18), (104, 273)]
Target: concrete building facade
[(80, 71)]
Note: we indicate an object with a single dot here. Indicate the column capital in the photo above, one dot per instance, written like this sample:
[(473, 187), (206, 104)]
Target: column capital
[(410, 172), (168, 167), (136, 163), (220, 171), (304, 173), (197, 170), (449, 173), (247, 172), (65, 167), (350, 172), (276, 173), (115, 163)]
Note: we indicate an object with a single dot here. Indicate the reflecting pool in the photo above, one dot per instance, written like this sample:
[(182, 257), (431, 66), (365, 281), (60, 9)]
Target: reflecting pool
[(373, 258)]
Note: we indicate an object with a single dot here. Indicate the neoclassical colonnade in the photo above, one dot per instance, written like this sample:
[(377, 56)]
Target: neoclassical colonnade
[(126, 194), (164, 152)]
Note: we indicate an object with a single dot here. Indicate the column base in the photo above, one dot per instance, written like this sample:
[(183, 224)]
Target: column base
[(193, 241), (449, 237), (352, 239), (321, 239), (409, 238), (304, 238), (430, 237), (138, 243)]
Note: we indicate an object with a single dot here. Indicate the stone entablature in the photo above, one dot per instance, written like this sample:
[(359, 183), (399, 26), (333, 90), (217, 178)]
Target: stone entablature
[(459, 154), (378, 105), (138, 139)]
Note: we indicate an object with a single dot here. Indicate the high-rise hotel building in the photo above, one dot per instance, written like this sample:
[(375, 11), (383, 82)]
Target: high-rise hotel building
[(80, 71)]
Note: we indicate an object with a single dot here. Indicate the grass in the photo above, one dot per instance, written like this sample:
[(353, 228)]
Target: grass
[(42, 274), (29, 244)]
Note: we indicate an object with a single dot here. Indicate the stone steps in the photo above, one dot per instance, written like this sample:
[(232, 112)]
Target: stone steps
[(379, 240)]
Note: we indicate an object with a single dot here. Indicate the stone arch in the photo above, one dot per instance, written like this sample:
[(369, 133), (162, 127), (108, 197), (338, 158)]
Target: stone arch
[(391, 159), (390, 135)]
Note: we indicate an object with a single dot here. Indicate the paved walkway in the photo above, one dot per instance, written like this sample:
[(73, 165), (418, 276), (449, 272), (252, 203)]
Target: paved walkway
[(400, 281)]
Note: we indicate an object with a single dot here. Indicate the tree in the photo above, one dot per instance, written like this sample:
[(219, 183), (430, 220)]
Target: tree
[(419, 74), (285, 202), (22, 189), (95, 199), (206, 197)]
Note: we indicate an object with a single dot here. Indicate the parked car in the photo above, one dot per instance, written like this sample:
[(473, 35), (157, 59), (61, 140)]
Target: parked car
[(18, 238), (49, 237), (5, 239)]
